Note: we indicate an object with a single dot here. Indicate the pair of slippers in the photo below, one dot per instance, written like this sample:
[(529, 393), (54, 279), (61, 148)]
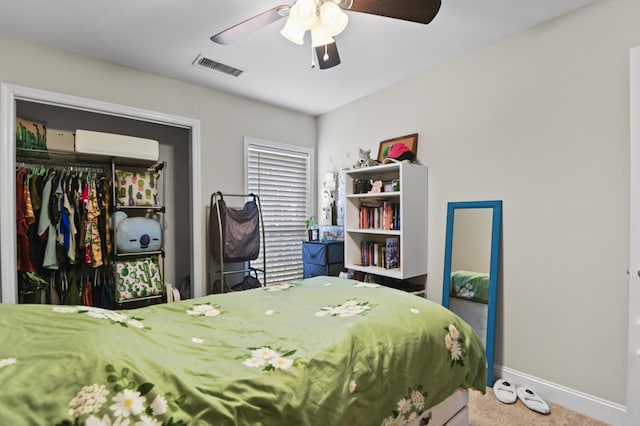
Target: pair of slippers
[(507, 393)]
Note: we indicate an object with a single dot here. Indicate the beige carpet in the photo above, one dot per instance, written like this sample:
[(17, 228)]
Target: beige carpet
[(486, 410)]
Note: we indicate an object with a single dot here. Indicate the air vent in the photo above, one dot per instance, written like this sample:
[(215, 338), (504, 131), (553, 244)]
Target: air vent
[(217, 66)]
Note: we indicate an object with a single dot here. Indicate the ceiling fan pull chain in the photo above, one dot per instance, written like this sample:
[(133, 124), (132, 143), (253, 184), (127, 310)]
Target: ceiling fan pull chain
[(313, 60), (326, 54)]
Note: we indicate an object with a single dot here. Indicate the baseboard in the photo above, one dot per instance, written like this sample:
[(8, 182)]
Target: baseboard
[(583, 403)]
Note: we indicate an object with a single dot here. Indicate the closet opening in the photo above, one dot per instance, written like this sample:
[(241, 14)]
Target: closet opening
[(179, 147)]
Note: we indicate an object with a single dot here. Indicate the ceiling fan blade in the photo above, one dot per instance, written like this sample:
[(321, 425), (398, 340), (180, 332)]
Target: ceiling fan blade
[(330, 52), (420, 11), (250, 25)]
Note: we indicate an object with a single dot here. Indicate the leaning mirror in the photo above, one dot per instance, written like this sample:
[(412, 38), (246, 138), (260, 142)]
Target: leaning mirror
[(470, 286)]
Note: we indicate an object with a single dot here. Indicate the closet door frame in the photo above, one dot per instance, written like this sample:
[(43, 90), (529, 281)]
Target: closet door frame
[(633, 347), (9, 94)]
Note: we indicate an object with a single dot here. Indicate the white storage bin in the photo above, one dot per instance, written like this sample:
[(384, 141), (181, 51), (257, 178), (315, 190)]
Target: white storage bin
[(90, 142)]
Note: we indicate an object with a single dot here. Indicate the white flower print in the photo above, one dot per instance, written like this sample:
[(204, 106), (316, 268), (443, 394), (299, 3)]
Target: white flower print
[(404, 405), (89, 400), (135, 323), (366, 285), (269, 312), (65, 309), (128, 402), (254, 362), (455, 335), (347, 309), (7, 361), (116, 317), (203, 310), (456, 352), (282, 363), (106, 421), (452, 341), (414, 311), (148, 421), (417, 399), (265, 353), (269, 359), (409, 410), (448, 341), (159, 406), (352, 386), (197, 340), (96, 314)]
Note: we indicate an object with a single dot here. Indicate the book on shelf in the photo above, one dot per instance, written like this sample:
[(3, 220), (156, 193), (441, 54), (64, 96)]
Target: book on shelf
[(383, 254), (392, 252), (372, 253), (379, 215)]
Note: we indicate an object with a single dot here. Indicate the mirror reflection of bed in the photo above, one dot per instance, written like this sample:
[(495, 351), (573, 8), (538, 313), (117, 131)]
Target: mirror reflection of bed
[(471, 308), (471, 267)]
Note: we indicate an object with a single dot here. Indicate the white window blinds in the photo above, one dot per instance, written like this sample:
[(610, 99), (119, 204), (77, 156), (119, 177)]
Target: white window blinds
[(281, 175)]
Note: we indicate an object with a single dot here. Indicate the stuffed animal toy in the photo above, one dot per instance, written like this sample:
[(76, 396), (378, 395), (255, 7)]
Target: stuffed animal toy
[(376, 186), (364, 159), (137, 234)]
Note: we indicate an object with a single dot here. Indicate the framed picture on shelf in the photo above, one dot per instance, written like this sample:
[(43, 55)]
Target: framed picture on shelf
[(314, 234), (398, 149)]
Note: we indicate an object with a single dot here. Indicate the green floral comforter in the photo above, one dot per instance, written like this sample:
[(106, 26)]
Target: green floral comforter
[(325, 351), (470, 285)]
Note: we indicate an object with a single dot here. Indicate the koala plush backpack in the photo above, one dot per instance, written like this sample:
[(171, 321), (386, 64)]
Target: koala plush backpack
[(137, 234)]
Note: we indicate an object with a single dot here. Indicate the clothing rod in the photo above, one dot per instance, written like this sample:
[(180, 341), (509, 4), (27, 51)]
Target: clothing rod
[(62, 164), (27, 158)]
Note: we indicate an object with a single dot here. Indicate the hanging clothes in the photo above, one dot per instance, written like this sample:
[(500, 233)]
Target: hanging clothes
[(92, 240), (46, 227), (24, 258), (63, 241)]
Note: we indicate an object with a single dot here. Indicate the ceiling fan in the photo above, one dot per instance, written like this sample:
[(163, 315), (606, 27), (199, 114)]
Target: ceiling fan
[(325, 19)]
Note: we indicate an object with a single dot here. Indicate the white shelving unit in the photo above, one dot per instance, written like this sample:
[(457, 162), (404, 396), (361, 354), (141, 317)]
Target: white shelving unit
[(411, 196)]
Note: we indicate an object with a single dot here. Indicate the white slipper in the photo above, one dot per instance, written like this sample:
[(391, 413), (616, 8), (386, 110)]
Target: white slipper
[(532, 400), (504, 391)]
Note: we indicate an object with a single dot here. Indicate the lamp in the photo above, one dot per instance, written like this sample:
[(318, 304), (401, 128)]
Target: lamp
[(324, 18), (320, 36), (304, 13), (293, 32), (334, 20)]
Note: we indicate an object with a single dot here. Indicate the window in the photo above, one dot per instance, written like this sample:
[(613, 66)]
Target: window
[(281, 175)]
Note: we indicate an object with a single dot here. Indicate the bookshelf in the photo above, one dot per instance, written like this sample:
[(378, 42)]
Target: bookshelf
[(398, 214), (375, 219)]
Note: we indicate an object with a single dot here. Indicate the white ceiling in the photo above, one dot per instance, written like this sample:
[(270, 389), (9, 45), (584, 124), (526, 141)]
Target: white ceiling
[(165, 36)]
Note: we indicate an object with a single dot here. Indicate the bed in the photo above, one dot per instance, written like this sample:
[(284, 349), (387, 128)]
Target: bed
[(325, 350)]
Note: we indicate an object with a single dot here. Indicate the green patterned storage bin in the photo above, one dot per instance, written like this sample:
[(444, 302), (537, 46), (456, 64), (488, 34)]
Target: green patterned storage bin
[(137, 278)]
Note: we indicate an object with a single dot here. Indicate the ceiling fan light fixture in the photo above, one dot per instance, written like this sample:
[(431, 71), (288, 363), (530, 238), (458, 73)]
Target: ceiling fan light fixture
[(293, 32), (334, 20), (320, 36), (344, 4), (304, 13)]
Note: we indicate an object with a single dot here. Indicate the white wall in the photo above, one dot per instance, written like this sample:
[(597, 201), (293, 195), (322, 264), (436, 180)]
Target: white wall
[(471, 242), (541, 121), (224, 119)]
